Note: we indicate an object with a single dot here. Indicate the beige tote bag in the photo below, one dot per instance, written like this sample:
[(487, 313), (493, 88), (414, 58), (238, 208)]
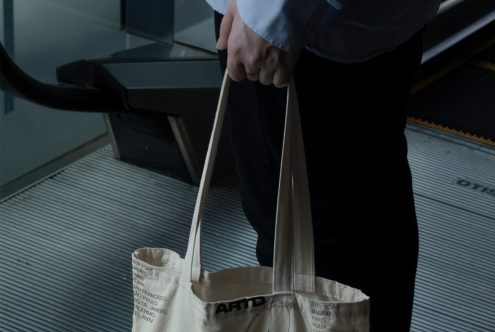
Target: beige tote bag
[(175, 294)]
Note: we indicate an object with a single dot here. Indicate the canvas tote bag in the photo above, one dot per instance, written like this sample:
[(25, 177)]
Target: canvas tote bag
[(177, 295)]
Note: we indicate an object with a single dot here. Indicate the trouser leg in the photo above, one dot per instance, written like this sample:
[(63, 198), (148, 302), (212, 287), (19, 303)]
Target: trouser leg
[(360, 183)]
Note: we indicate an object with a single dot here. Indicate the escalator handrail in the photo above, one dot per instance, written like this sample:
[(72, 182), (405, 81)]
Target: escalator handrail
[(64, 97)]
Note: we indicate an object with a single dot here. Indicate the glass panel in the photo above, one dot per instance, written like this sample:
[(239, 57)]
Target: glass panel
[(194, 24), (44, 35)]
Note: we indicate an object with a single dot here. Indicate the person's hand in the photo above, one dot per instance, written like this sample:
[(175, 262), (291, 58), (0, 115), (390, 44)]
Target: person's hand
[(250, 56)]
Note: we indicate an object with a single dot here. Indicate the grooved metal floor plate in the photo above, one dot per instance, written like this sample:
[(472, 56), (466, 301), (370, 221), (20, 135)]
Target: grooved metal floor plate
[(66, 242), (454, 188)]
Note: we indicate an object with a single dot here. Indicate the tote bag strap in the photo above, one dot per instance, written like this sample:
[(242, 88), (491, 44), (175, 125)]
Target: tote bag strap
[(192, 267), (293, 256), (293, 249)]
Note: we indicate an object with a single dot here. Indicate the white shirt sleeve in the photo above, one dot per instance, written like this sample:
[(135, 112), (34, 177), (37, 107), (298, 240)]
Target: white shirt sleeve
[(279, 22)]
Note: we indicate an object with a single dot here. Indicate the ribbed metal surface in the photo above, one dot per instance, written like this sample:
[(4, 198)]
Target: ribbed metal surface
[(66, 242), (455, 287)]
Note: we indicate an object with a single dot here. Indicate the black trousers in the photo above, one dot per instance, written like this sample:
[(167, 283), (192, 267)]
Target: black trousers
[(353, 118)]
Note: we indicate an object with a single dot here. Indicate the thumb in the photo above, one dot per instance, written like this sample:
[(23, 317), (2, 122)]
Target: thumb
[(226, 27)]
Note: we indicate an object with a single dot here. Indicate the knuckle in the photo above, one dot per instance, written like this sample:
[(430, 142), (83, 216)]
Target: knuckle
[(234, 50), (233, 73), (234, 76), (273, 61), (255, 59), (273, 58)]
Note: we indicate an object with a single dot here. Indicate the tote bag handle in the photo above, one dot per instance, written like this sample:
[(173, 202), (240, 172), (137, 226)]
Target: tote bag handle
[(293, 262)]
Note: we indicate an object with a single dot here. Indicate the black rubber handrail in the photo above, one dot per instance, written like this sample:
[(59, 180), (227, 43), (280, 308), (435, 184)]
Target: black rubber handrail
[(64, 97)]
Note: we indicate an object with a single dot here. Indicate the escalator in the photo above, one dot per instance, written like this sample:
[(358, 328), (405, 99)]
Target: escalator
[(67, 238)]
